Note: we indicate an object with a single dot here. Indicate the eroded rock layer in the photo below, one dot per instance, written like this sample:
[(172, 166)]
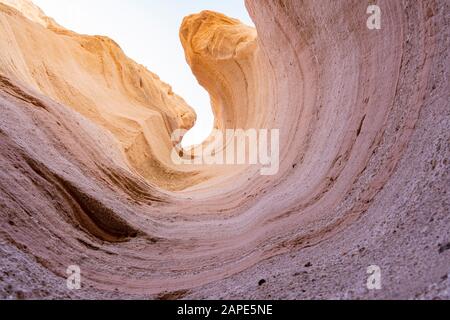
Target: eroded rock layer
[(364, 123)]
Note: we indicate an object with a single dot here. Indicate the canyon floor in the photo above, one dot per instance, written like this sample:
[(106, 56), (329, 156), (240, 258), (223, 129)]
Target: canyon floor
[(87, 179)]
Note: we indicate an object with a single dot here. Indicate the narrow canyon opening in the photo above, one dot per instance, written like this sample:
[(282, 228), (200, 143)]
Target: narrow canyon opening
[(87, 178)]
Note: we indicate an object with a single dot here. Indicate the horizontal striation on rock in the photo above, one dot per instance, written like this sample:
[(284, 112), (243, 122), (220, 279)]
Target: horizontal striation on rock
[(364, 120)]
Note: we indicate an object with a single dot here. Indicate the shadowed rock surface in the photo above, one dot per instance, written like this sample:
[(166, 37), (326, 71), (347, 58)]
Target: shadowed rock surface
[(86, 176)]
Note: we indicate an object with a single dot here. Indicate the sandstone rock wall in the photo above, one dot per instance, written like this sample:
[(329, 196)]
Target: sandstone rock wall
[(364, 119)]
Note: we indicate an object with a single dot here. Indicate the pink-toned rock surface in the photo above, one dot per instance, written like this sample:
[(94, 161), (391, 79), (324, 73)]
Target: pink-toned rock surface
[(364, 116)]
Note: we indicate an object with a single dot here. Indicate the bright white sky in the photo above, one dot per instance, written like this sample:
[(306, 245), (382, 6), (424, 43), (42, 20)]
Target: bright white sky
[(147, 30)]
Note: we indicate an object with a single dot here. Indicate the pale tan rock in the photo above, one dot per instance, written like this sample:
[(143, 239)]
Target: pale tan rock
[(87, 178), (29, 10)]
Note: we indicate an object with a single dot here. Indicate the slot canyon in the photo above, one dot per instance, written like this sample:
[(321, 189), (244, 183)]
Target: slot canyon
[(87, 177)]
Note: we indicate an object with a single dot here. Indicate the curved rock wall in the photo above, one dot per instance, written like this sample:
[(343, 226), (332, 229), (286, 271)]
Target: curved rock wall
[(364, 123)]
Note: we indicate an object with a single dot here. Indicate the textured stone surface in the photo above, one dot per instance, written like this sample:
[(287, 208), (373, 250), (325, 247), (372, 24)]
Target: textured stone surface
[(364, 116)]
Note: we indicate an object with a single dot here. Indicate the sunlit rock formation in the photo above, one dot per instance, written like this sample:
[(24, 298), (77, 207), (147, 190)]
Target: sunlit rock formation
[(86, 177)]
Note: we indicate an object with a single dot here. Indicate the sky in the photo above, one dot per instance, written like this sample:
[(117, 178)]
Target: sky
[(147, 30)]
